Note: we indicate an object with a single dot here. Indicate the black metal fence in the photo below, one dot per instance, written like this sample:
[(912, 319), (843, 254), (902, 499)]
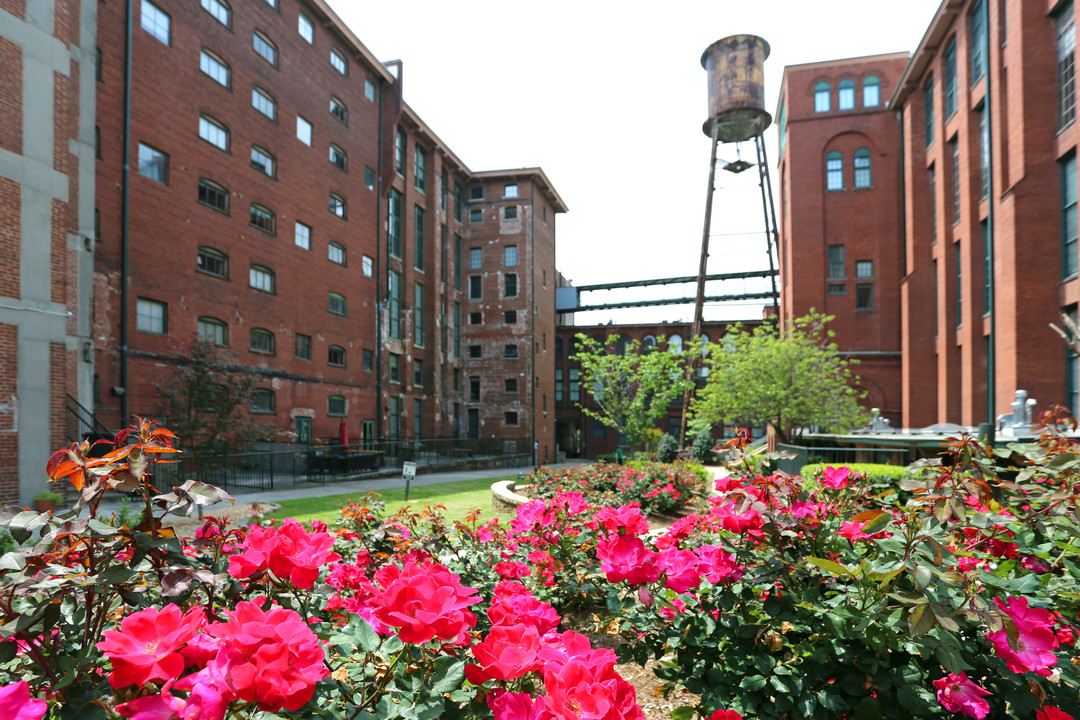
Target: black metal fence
[(282, 469)]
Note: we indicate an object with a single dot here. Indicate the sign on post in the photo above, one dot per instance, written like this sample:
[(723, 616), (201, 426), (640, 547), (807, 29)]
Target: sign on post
[(408, 471)]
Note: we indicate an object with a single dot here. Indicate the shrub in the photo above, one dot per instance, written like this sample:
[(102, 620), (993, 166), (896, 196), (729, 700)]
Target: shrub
[(702, 447), (883, 480), (657, 487), (668, 448)]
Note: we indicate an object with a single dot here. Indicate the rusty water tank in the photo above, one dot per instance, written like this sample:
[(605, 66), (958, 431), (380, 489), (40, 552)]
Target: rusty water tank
[(736, 69)]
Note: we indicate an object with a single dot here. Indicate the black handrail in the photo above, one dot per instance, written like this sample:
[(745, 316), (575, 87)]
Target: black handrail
[(82, 423)]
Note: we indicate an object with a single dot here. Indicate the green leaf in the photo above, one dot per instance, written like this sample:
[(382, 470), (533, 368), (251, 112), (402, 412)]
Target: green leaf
[(683, 712), (752, 682), (831, 701), (829, 566), (920, 620), (448, 674), (923, 577)]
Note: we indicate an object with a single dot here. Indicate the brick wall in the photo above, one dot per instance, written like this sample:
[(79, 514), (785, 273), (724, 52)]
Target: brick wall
[(11, 92), (10, 237)]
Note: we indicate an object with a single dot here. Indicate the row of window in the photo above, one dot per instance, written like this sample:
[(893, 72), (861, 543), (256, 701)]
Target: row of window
[(510, 387), (476, 215), (214, 262), (476, 286), (509, 317), (845, 94), (152, 316), (476, 352), (837, 275), (263, 400), (834, 170)]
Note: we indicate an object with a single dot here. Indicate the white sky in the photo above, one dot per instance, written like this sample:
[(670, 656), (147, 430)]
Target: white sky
[(609, 99)]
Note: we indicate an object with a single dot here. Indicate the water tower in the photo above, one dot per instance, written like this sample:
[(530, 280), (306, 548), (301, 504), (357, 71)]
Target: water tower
[(736, 77)]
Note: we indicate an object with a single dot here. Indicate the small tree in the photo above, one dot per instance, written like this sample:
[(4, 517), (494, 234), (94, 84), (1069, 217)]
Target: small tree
[(668, 448), (632, 389), (793, 379), (206, 400)]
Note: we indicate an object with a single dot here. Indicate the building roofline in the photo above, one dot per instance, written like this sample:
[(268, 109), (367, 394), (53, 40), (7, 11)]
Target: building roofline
[(425, 130), (836, 63), (534, 173), (924, 53), (349, 36)]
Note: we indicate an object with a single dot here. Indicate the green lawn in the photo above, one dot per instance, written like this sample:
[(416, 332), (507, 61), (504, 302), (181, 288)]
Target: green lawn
[(458, 497)]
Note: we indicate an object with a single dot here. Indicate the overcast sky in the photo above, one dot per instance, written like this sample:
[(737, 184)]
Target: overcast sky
[(609, 98)]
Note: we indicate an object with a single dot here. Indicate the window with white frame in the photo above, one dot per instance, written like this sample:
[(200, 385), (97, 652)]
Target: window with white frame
[(305, 27), (263, 103), (510, 190), (219, 10), (151, 316), (155, 21), (822, 95), (871, 92), (213, 330), (368, 265), (338, 61), (510, 256), (262, 161), (834, 171), (303, 130), (261, 278), (215, 67), (845, 95), (861, 164), (213, 132), (336, 253), (864, 269), (475, 258), (303, 235), (264, 47)]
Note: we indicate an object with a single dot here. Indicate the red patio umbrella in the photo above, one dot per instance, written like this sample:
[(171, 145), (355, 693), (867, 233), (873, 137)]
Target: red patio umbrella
[(343, 433)]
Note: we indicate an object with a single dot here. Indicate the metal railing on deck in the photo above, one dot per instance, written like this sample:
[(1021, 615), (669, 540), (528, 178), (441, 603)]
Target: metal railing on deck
[(841, 456), (82, 423)]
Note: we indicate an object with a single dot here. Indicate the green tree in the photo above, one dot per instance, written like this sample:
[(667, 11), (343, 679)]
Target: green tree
[(631, 388), (794, 379), (206, 400)]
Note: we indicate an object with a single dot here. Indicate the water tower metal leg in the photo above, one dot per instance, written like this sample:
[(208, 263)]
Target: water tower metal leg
[(699, 302), (769, 211)]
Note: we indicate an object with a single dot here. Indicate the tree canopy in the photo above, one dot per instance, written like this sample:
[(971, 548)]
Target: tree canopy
[(631, 386), (794, 379)]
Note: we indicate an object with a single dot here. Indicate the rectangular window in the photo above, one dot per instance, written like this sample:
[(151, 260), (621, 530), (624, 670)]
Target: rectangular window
[(510, 417), (263, 103), (475, 258), (864, 269), (335, 356), (262, 161), (459, 203), (475, 352), (393, 230), (369, 178), (335, 253), (444, 243), (510, 317), (215, 68), (303, 235), (949, 61), (418, 237), (153, 164), (834, 171), (395, 418), (933, 264), (303, 131), (476, 215), (418, 315), (155, 21), (335, 406), (1068, 217), (394, 297), (977, 40), (306, 28), (338, 61), (474, 389), (864, 296), (955, 147), (1066, 66), (988, 269), (420, 169), (368, 360), (151, 316), (302, 347), (933, 204), (395, 368), (575, 385), (510, 256), (417, 418), (928, 109), (262, 401), (476, 318), (338, 158), (457, 329), (959, 286), (458, 269), (837, 264), (511, 386), (984, 153), (367, 264), (558, 385), (369, 89), (213, 132), (399, 152), (510, 213), (1072, 367), (261, 278), (418, 373), (510, 351), (510, 191), (510, 285), (476, 192), (475, 287)]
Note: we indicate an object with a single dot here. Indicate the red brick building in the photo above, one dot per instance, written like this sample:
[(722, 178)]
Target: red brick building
[(285, 202), (982, 257), (840, 208), (46, 233)]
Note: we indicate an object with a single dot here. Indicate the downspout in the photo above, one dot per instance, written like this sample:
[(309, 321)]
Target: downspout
[(125, 211), (532, 312), (991, 400), (378, 271)]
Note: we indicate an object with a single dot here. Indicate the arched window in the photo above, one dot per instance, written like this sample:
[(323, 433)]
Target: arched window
[(621, 345), (822, 91), (871, 92), (261, 278), (674, 344), (648, 344), (834, 171), (335, 356), (264, 47), (213, 262), (862, 168), (213, 330), (338, 110), (335, 406), (846, 94), (262, 341), (703, 371)]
